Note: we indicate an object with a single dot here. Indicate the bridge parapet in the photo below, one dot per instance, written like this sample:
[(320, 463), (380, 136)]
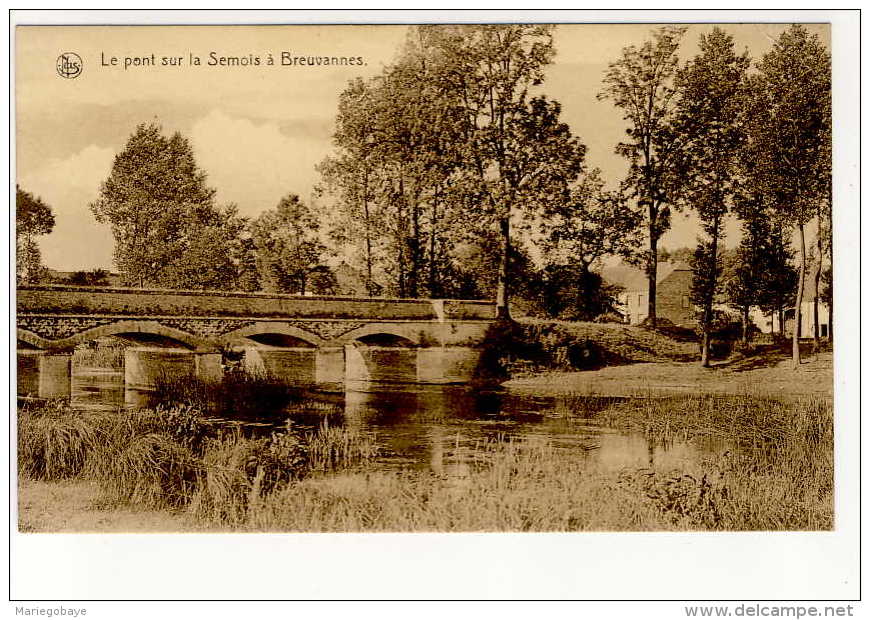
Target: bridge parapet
[(80, 300)]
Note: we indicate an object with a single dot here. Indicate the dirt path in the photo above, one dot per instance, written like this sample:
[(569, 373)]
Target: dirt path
[(760, 377), (74, 506)]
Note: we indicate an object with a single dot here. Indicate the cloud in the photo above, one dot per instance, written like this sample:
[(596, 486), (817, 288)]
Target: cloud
[(255, 164), (68, 185)]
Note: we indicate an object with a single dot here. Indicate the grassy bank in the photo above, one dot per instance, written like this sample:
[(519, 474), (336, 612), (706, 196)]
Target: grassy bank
[(760, 376), (775, 473), (551, 341)]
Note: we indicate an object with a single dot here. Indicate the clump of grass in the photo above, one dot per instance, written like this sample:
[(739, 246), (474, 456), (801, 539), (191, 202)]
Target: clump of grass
[(776, 473), (237, 472), (54, 441), (337, 447), (151, 470), (584, 406), (224, 486), (149, 456)]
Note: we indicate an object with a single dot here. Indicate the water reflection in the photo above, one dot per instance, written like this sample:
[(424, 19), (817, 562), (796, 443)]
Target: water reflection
[(441, 428)]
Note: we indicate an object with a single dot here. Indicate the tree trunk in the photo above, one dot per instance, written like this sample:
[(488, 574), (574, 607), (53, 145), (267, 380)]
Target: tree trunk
[(400, 236), (414, 247), (746, 325), (705, 349), (369, 288), (433, 276), (652, 266), (795, 337), (817, 278), (709, 296), (502, 297)]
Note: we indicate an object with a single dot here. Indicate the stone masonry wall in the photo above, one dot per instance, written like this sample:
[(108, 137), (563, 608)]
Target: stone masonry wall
[(670, 302)]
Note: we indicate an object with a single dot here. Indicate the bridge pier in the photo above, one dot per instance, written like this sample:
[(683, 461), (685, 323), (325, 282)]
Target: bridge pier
[(44, 374), (144, 366), (377, 363), (329, 366), (294, 365)]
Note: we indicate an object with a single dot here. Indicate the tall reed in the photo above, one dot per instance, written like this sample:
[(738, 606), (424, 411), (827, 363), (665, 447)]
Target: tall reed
[(338, 447)]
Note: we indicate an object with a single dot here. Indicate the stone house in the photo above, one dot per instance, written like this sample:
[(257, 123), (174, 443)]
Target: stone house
[(673, 287)]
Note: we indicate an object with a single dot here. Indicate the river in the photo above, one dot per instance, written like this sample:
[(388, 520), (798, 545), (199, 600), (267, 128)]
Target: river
[(440, 427)]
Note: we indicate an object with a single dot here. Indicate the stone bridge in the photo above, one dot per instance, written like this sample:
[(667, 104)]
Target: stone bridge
[(305, 340)]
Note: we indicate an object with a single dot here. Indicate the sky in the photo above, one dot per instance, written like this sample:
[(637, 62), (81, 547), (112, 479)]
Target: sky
[(258, 131)]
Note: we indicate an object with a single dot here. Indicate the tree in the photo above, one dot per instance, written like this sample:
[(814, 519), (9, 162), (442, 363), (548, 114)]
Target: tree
[(289, 254), (350, 175), (751, 260), (578, 232), (442, 149), (779, 279), (790, 136), (168, 231), (33, 218), (710, 89), (641, 85), (212, 255)]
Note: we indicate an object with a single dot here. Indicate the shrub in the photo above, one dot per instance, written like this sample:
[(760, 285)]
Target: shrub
[(502, 341)]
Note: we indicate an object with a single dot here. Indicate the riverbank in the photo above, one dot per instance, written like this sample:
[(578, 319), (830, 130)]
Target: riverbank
[(768, 375), (161, 471)]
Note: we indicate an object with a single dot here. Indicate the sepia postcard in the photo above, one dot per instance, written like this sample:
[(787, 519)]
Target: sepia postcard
[(543, 275)]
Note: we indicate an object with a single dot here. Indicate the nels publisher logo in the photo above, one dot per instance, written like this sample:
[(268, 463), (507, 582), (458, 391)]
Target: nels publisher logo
[(69, 65)]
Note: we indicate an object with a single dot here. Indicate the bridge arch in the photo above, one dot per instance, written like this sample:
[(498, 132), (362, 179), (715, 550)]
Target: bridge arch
[(117, 328), (263, 328), (401, 331)]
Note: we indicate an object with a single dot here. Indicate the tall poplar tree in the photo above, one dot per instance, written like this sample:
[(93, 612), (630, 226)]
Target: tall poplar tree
[(641, 85), (791, 138), (708, 118)]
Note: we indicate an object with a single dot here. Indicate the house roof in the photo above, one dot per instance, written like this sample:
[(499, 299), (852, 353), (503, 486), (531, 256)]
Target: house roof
[(634, 279)]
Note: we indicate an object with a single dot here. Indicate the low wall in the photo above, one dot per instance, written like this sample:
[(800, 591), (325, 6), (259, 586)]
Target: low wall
[(142, 302)]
